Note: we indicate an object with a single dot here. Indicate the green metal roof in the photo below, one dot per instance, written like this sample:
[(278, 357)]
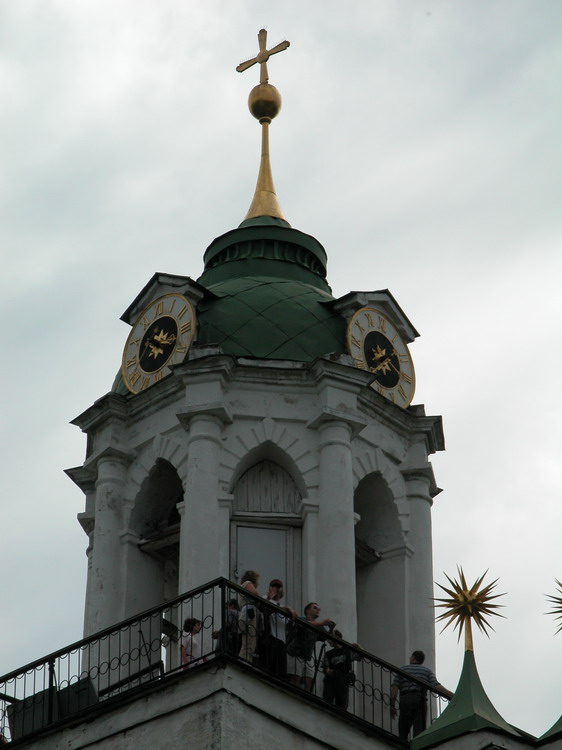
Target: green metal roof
[(555, 730), (268, 296), (469, 710), (268, 317)]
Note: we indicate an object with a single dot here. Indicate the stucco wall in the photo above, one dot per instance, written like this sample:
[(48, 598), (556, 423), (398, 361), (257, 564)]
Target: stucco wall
[(209, 710)]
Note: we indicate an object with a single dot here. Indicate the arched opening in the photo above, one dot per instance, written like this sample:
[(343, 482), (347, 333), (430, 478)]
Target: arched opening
[(265, 527), (379, 558), (156, 521)]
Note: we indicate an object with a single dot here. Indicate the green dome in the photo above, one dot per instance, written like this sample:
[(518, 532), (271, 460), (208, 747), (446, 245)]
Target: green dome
[(268, 317), (269, 296)]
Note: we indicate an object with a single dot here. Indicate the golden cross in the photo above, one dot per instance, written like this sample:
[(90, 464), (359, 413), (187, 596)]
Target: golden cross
[(263, 56)]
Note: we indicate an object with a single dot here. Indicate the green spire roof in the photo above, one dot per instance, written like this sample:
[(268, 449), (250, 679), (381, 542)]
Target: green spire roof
[(470, 710), (553, 731)]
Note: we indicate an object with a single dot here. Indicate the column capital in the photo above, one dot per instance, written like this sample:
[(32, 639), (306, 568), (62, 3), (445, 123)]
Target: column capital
[(329, 415), (424, 475), (308, 506), (83, 477), (215, 410), (86, 521), (109, 453)]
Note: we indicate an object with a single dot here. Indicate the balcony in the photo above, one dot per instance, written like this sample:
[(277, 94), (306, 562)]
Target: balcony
[(230, 630)]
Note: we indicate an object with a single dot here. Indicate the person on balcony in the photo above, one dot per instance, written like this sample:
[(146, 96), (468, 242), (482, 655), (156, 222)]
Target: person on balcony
[(337, 666), (301, 645), (191, 643), (249, 616), (272, 647), (413, 697)]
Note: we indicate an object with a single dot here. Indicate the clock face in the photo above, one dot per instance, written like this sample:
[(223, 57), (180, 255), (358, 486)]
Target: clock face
[(376, 346), (160, 337)]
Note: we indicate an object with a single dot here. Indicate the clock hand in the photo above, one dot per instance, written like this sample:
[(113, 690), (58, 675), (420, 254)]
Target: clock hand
[(381, 365)]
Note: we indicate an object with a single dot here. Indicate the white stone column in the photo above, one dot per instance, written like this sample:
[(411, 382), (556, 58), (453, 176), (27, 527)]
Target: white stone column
[(105, 605), (309, 577), (202, 526), (336, 527), (420, 579)]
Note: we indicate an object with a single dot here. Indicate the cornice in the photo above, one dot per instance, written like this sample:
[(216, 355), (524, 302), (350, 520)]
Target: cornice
[(110, 406), (82, 476)]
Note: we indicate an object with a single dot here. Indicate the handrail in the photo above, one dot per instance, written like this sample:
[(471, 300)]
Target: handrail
[(119, 625), (143, 649)]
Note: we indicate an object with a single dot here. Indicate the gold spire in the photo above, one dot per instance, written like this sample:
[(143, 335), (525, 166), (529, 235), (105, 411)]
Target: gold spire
[(264, 103)]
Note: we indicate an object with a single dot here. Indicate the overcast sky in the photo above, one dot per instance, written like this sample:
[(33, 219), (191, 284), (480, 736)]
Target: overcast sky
[(419, 142)]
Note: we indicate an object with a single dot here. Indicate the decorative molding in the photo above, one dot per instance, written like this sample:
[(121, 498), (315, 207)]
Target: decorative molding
[(83, 477), (329, 414), (214, 409), (242, 442), (110, 453), (168, 449)]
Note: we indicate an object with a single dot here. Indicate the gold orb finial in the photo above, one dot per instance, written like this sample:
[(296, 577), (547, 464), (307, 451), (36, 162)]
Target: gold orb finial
[(264, 102)]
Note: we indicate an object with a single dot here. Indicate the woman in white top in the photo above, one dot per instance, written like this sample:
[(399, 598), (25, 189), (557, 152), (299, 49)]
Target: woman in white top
[(248, 619)]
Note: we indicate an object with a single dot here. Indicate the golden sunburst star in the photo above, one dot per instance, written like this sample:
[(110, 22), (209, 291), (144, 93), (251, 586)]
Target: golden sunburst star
[(466, 604), (556, 599)]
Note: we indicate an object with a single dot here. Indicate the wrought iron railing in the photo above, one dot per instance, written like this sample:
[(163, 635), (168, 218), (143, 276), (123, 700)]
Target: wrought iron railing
[(217, 621)]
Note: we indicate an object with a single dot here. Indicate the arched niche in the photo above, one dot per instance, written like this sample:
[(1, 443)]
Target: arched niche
[(155, 521), (378, 527), (269, 451), (380, 565), (155, 510), (266, 488), (265, 525)]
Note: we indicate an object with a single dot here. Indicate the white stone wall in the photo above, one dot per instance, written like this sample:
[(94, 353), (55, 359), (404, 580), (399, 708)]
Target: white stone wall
[(332, 434), (224, 709)]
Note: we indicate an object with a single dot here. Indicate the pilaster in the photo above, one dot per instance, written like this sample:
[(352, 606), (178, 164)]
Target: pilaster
[(421, 626), (336, 522), (105, 602), (201, 530)]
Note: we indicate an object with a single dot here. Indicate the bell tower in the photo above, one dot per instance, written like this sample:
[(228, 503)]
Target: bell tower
[(257, 422)]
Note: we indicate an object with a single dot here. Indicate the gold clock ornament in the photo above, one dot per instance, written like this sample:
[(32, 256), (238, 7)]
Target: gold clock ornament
[(376, 346), (160, 337)]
